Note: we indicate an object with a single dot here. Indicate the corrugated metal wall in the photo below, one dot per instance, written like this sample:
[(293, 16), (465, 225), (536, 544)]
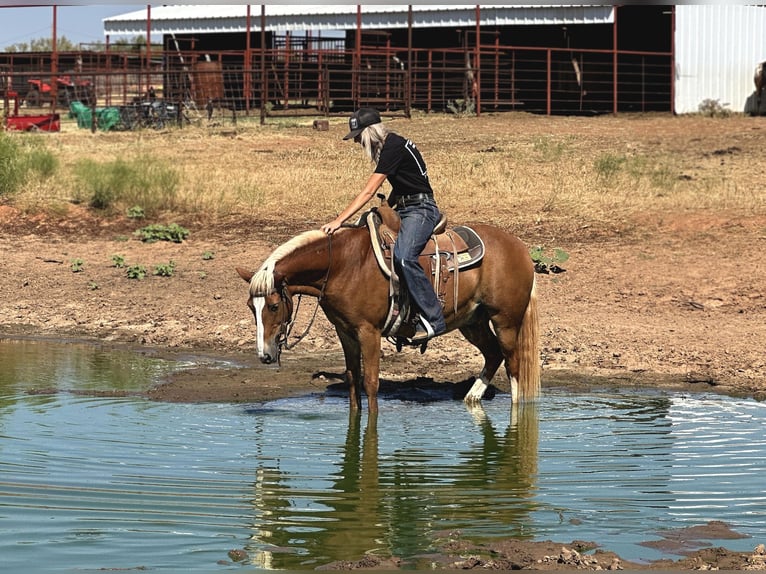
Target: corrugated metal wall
[(717, 49)]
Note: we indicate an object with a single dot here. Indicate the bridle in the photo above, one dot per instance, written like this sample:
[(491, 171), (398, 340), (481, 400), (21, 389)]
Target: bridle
[(286, 327)]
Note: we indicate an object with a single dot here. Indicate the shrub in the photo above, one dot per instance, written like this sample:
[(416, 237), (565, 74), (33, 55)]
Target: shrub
[(12, 170), (713, 109), (158, 232)]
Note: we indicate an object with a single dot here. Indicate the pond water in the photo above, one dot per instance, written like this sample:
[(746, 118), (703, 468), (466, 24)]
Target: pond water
[(92, 482)]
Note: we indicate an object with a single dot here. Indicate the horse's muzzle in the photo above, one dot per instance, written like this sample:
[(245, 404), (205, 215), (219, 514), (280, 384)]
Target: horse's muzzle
[(269, 359)]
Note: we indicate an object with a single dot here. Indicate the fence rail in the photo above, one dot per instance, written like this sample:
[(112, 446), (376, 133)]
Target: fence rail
[(295, 79)]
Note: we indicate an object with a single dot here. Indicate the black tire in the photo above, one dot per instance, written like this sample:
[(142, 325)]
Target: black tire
[(32, 98)]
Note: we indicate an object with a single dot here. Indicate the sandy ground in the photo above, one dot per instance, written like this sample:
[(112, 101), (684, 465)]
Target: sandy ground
[(678, 301)]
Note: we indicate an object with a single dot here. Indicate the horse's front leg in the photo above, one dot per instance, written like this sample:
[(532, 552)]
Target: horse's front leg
[(353, 374), (369, 340)]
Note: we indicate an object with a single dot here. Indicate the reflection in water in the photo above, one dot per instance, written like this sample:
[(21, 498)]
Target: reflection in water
[(29, 365), (96, 483), (397, 502)]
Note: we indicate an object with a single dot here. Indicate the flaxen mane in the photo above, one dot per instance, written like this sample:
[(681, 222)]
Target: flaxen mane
[(262, 282)]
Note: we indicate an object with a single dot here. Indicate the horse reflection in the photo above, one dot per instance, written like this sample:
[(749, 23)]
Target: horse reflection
[(398, 502)]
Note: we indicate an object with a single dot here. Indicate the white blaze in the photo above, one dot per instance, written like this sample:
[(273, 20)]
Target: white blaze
[(258, 304)]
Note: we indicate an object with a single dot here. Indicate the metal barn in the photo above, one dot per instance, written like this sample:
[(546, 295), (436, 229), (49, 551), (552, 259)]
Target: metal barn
[(543, 59), (301, 59), (717, 47)]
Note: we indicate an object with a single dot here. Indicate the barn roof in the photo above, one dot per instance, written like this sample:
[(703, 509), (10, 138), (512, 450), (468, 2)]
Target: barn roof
[(180, 19)]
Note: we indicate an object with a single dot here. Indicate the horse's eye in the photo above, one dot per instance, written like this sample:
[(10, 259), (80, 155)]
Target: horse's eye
[(274, 307)]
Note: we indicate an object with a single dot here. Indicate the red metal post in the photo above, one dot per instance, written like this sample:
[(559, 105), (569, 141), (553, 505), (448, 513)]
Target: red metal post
[(248, 62), (548, 83), (149, 46), (408, 79), (614, 61), (264, 83), (673, 60), (477, 62), (357, 59), (54, 62)]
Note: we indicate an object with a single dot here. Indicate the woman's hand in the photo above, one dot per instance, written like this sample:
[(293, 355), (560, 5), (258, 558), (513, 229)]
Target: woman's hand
[(375, 181), (332, 227)]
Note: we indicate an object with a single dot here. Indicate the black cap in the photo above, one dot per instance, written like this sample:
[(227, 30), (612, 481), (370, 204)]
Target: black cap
[(362, 118)]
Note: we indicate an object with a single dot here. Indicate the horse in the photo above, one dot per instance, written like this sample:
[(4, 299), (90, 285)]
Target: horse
[(494, 306)]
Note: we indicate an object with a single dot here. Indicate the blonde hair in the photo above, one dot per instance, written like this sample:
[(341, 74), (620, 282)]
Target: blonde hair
[(372, 139)]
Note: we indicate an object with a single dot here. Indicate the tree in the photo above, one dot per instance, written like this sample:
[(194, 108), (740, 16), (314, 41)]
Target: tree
[(43, 45)]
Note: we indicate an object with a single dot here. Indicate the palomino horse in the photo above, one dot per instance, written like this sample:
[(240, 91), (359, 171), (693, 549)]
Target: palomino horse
[(495, 310)]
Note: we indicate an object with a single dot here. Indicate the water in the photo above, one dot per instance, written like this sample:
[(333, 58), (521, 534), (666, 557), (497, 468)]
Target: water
[(90, 483)]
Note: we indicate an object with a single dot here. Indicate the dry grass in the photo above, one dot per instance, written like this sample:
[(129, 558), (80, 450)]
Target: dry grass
[(514, 170)]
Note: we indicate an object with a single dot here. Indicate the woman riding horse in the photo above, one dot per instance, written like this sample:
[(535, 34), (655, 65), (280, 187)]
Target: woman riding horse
[(398, 160)]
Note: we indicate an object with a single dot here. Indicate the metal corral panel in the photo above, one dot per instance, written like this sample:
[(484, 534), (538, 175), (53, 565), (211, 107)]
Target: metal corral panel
[(281, 18), (717, 49)]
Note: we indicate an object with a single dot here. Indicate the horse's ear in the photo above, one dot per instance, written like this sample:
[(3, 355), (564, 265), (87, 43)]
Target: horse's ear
[(245, 274)]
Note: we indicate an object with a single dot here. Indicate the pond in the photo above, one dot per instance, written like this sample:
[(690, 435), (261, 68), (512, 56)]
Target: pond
[(98, 482)]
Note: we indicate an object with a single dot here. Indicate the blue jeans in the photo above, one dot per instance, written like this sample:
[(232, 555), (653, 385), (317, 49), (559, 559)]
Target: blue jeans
[(418, 222)]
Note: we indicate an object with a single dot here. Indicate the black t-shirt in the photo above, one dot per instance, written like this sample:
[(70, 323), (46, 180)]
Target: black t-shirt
[(404, 168)]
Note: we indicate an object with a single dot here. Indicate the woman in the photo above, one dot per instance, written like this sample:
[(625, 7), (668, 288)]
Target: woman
[(398, 160)]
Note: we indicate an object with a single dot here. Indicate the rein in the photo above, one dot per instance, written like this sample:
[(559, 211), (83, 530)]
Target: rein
[(287, 326)]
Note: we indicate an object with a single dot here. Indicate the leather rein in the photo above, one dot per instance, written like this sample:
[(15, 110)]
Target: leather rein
[(287, 326)]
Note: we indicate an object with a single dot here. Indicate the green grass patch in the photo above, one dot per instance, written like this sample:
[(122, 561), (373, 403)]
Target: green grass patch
[(142, 184)]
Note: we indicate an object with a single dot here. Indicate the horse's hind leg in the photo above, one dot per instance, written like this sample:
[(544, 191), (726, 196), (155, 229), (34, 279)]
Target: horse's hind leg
[(481, 336), (507, 338)]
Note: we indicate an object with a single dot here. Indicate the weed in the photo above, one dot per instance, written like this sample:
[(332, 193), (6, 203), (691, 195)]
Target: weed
[(42, 162), (208, 255), (713, 109), (118, 261), (608, 165), (158, 232), (462, 107), (93, 286), (165, 269), (548, 263), (549, 149), (136, 272), (135, 212), (76, 265)]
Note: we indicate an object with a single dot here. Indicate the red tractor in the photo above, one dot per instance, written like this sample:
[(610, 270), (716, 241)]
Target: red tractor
[(67, 91)]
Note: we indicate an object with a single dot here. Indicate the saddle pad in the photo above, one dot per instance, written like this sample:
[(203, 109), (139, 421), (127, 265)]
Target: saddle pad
[(475, 247)]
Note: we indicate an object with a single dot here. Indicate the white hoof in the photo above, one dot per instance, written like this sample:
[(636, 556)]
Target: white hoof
[(474, 395)]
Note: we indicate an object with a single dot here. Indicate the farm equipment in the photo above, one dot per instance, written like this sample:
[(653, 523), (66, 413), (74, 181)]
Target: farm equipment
[(68, 90)]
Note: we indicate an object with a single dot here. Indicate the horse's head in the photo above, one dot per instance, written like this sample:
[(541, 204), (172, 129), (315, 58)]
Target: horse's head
[(272, 307)]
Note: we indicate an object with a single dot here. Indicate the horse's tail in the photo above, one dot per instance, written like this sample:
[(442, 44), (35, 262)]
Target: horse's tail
[(528, 349)]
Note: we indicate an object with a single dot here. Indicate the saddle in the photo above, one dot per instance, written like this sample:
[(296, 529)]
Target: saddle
[(449, 251)]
